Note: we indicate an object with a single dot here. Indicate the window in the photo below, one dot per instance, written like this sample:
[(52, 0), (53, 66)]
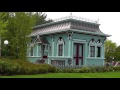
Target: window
[(98, 51), (31, 51), (92, 48), (60, 50), (92, 51), (60, 46), (99, 48)]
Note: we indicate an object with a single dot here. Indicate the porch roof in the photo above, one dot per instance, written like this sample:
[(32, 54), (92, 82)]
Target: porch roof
[(41, 40)]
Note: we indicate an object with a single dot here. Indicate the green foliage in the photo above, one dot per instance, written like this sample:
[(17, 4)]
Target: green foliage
[(3, 23), (92, 69), (40, 18), (68, 70), (17, 27), (12, 67), (110, 48), (117, 53)]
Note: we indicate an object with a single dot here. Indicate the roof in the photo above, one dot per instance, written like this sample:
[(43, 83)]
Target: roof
[(41, 40), (70, 23)]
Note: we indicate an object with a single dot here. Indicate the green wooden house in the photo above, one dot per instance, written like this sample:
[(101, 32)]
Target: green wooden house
[(68, 41)]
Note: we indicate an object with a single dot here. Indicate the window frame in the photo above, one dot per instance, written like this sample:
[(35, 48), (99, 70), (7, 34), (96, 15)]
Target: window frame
[(92, 51), (59, 43), (92, 43), (99, 44), (60, 50)]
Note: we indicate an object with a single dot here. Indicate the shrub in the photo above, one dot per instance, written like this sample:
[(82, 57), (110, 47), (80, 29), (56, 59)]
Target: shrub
[(10, 67)]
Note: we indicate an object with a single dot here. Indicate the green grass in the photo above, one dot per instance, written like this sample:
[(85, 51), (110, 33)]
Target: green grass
[(69, 75)]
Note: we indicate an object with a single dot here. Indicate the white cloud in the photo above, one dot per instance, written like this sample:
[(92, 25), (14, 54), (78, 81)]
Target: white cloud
[(110, 21)]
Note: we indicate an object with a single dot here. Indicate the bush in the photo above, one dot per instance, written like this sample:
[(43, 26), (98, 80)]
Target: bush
[(68, 70), (92, 69), (11, 67)]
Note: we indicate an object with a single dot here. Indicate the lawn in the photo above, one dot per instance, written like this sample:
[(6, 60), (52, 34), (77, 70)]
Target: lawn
[(69, 75)]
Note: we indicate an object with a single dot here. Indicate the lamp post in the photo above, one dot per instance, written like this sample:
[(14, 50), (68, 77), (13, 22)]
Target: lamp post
[(6, 43)]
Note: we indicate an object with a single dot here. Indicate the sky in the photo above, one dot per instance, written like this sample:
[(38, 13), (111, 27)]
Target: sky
[(109, 21)]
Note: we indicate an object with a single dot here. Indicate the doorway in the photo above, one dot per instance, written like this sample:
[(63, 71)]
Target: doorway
[(78, 53)]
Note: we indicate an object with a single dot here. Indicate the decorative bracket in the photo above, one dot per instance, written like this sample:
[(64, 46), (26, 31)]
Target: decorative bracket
[(69, 35)]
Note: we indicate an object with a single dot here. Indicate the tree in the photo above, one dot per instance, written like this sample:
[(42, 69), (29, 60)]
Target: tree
[(117, 53), (3, 24), (110, 48), (40, 18), (19, 27)]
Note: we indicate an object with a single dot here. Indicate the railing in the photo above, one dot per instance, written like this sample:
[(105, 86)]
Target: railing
[(77, 18), (68, 67)]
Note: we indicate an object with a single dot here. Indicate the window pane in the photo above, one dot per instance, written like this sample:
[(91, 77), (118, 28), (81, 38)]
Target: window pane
[(98, 51), (60, 50), (92, 51)]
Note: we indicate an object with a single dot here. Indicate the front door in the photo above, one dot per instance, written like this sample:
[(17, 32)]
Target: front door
[(78, 53)]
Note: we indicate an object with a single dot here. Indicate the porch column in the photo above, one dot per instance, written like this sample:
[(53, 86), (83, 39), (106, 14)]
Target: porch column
[(52, 46), (85, 57)]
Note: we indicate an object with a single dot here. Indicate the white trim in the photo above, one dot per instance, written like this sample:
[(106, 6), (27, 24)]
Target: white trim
[(57, 50), (94, 58), (59, 57), (92, 44), (60, 43), (79, 40)]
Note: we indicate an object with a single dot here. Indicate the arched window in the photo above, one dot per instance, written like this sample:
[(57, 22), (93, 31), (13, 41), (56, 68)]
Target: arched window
[(60, 46), (92, 48), (99, 48)]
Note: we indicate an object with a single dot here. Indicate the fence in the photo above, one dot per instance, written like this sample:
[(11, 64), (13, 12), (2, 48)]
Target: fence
[(68, 67)]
